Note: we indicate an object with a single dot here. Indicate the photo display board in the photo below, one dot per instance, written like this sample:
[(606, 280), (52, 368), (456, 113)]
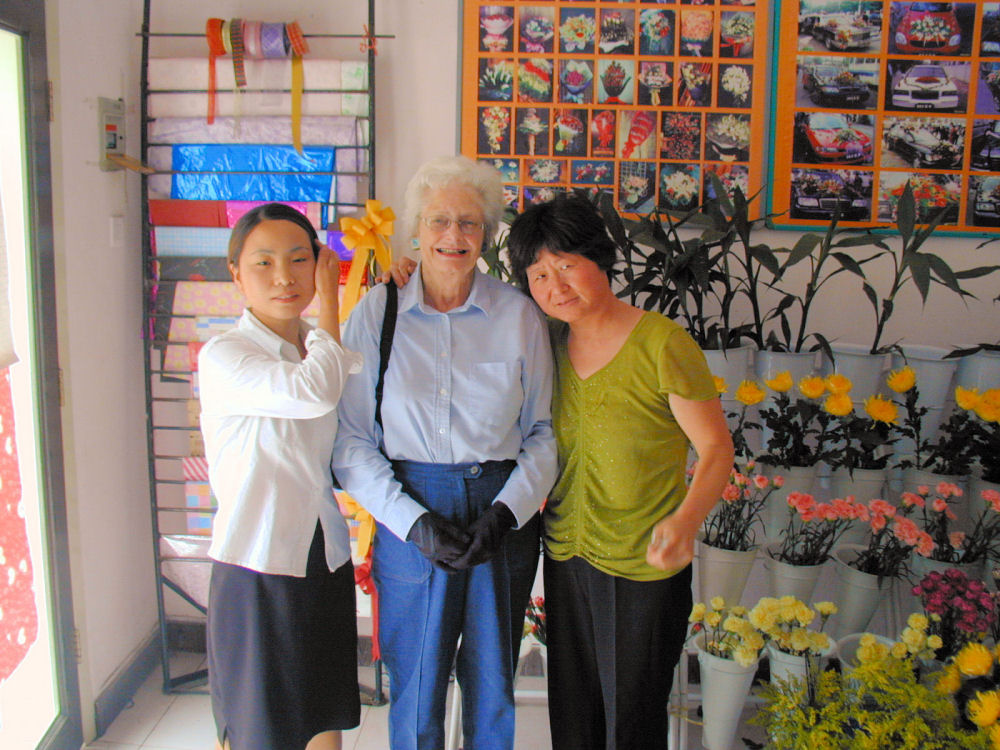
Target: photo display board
[(642, 99), (872, 94)]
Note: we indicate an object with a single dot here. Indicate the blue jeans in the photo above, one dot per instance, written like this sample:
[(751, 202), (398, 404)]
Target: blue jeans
[(423, 611)]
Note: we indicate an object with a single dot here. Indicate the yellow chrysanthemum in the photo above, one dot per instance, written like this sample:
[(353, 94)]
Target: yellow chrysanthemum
[(697, 612), (974, 660), (838, 383), (838, 404), (966, 398), (749, 393), (984, 709), (720, 384), (949, 680), (987, 412), (994, 735), (781, 383), (881, 409), (812, 386), (902, 380), (992, 397)]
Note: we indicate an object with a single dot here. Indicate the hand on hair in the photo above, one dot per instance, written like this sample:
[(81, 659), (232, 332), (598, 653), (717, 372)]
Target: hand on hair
[(327, 280)]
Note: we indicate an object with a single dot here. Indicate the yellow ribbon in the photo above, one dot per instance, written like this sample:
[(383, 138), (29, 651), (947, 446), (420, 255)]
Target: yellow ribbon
[(366, 524), (298, 84), (364, 235)]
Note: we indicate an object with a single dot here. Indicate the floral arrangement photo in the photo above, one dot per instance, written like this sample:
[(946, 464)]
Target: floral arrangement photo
[(534, 622)]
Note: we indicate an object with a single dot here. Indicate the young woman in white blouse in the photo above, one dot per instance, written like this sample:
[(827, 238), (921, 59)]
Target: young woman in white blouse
[(282, 639)]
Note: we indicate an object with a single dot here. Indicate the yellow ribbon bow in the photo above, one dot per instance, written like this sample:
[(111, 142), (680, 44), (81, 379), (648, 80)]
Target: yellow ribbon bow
[(366, 524), (363, 235)]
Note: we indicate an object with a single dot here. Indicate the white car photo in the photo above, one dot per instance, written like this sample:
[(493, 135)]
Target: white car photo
[(925, 87)]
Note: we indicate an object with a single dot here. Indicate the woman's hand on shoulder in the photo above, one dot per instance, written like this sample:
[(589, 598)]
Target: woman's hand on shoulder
[(399, 271)]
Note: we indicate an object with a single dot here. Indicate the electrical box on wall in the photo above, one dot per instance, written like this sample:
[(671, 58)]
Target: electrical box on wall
[(111, 130)]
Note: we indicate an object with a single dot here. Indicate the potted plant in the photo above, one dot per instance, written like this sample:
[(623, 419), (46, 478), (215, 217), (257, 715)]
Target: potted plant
[(881, 702), (748, 394), (976, 422), (729, 649), (793, 647), (959, 609), (865, 572), (727, 545), (952, 548), (811, 532)]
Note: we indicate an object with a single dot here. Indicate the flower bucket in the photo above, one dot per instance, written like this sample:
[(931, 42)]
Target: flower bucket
[(768, 364), (856, 362), (856, 594), (785, 666), (784, 579), (980, 370), (775, 512), (725, 685), (934, 373), (732, 365), (722, 572)]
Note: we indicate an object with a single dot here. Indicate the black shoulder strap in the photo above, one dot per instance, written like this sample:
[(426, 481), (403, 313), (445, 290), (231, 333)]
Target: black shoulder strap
[(385, 344)]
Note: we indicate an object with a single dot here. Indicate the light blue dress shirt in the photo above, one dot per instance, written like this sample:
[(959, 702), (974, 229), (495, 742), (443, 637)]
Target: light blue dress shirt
[(473, 384)]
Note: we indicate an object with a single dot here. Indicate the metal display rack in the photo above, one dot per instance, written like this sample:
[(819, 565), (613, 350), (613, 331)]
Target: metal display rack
[(181, 563)]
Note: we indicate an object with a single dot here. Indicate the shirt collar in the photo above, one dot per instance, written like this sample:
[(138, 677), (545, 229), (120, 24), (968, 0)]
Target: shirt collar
[(481, 296), (268, 339)]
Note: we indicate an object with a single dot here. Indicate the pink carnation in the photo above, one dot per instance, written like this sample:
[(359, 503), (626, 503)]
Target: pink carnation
[(778, 481), (925, 545), (993, 498), (760, 482), (801, 500), (956, 538), (911, 499), (882, 508), (877, 522), (939, 505), (730, 493), (947, 489)]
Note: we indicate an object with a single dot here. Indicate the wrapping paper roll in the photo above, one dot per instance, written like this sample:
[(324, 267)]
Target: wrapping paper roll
[(188, 74), (334, 130), (184, 213), (199, 242), (256, 103)]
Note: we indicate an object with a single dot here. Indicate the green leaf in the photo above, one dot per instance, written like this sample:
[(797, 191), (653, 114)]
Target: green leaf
[(802, 249), (920, 272), (849, 264), (872, 296), (906, 214)]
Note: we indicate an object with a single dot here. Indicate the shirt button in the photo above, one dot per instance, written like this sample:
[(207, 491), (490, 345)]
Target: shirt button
[(474, 470), (441, 431), (443, 391)]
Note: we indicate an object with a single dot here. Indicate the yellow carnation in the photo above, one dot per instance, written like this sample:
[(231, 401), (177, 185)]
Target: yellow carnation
[(754, 640), (966, 398), (749, 393), (697, 612), (826, 609), (899, 650), (720, 384), (712, 619), (812, 386), (917, 621), (913, 639), (800, 639), (838, 404), (984, 709), (838, 383), (718, 603), (744, 656), (902, 380), (974, 660), (949, 680), (871, 650), (881, 409), (934, 642), (781, 383)]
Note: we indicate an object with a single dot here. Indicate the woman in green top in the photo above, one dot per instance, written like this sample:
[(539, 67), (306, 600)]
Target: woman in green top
[(632, 391)]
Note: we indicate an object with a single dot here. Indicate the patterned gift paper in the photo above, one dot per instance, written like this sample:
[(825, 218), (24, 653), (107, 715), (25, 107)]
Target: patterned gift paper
[(195, 467), (332, 130), (199, 495), (206, 242), (194, 420)]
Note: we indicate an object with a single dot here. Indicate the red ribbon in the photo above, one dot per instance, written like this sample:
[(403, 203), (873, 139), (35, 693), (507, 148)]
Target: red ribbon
[(216, 48), (363, 578), (369, 42)]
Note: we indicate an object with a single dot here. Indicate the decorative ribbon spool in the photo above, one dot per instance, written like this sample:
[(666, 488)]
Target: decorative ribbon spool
[(255, 40)]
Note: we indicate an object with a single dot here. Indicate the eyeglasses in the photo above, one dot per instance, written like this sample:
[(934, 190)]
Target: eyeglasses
[(441, 224)]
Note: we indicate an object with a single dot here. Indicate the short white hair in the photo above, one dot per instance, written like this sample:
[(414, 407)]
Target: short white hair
[(446, 171)]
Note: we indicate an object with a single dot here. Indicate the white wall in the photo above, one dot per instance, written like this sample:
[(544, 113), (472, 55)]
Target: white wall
[(94, 52)]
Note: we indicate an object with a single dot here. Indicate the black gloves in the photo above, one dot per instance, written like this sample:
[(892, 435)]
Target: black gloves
[(487, 535), (439, 540)]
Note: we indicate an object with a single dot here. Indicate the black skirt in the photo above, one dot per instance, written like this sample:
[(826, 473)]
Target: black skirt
[(282, 653)]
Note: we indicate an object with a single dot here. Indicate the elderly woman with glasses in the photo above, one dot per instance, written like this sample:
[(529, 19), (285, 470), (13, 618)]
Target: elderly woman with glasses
[(459, 467)]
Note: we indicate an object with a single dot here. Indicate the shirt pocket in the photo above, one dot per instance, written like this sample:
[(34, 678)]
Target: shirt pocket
[(499, 395)]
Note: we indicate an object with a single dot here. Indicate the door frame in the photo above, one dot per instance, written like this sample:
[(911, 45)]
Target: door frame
[(26, 18)]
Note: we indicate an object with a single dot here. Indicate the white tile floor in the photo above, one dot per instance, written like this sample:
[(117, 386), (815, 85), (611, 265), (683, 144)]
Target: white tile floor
[(183, 721), (156, 721)]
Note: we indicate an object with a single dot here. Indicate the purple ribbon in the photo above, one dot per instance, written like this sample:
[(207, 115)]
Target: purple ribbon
[(272, 40)]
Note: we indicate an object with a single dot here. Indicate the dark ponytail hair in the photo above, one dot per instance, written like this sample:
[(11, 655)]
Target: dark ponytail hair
[(267, 212)]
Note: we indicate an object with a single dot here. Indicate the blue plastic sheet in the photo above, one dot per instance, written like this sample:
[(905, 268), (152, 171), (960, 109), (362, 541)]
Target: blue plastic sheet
[(274, 173)]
